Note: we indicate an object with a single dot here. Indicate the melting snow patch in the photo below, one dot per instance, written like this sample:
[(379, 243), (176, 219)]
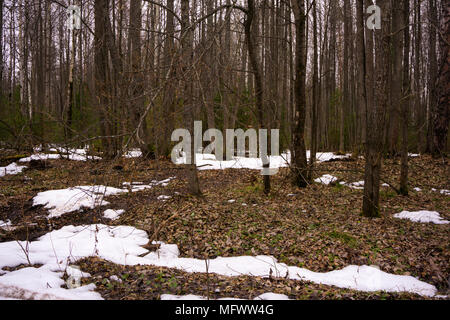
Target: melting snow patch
[(56, 250), (355, 185), (272, 296), (422, 216), (443, 191), (362, 278), (209, 162), (75, 154), (164, 197), (6, 225), (40, 156), (12, 168), (112, 214), (185, 297), (123, 245), (326, 179), (133, 153), (264, 296), (72, 199), (136, 186)]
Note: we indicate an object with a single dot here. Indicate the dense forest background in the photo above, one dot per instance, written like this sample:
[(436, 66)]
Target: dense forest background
[(136, 70), (134, 50)]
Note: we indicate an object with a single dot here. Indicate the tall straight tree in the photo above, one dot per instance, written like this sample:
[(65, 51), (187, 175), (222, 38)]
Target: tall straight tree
[(442, 114), (316, 95), (256, 68), (187, 40), (346, 97), (299, 160), (396, 76), (418, 106), (137, 76), (361, 61), (405, 101), (376, 113), (101, 66), (432, 73), (1, 49)]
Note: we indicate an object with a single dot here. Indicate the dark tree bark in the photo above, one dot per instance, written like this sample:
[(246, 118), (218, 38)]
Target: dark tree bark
[(101, 66), (137, 77), (432, 73), (442, 114), (405, 101), (361, 61), (346, 94), (299, 161), (187, 39), (376, 113), (1, 49), (255, 64), (396, 77), (418, 105), (316, 95)]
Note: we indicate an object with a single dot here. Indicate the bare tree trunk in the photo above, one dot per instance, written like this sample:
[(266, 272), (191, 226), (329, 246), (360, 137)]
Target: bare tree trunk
[(299, 161), (69, 98), (316, 96), (259, 91), (1, 49), (376, 113), (137, 81), (432, 73), (419, 107), (187, 54), (346, 101), (442, 114), (405, 101), (361, 61), (101, 11), (167, 112), (396, 77)]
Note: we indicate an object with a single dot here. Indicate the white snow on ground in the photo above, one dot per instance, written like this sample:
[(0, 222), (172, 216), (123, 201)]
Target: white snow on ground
[(136, 186), (164, 197), (56, 251), (41, 156), (112, 214), (139, 186), (417, 189), (72, 199), (445, 192), (208, 161), (133, 153), (326, 179), (264, 296), (6, 225), (123, 245), (355, 185), (422, 216), (12, 168), (76, 155), (272, 296), (363, 278)]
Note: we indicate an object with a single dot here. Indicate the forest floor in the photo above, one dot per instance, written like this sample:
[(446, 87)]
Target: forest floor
[(319, 228)]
